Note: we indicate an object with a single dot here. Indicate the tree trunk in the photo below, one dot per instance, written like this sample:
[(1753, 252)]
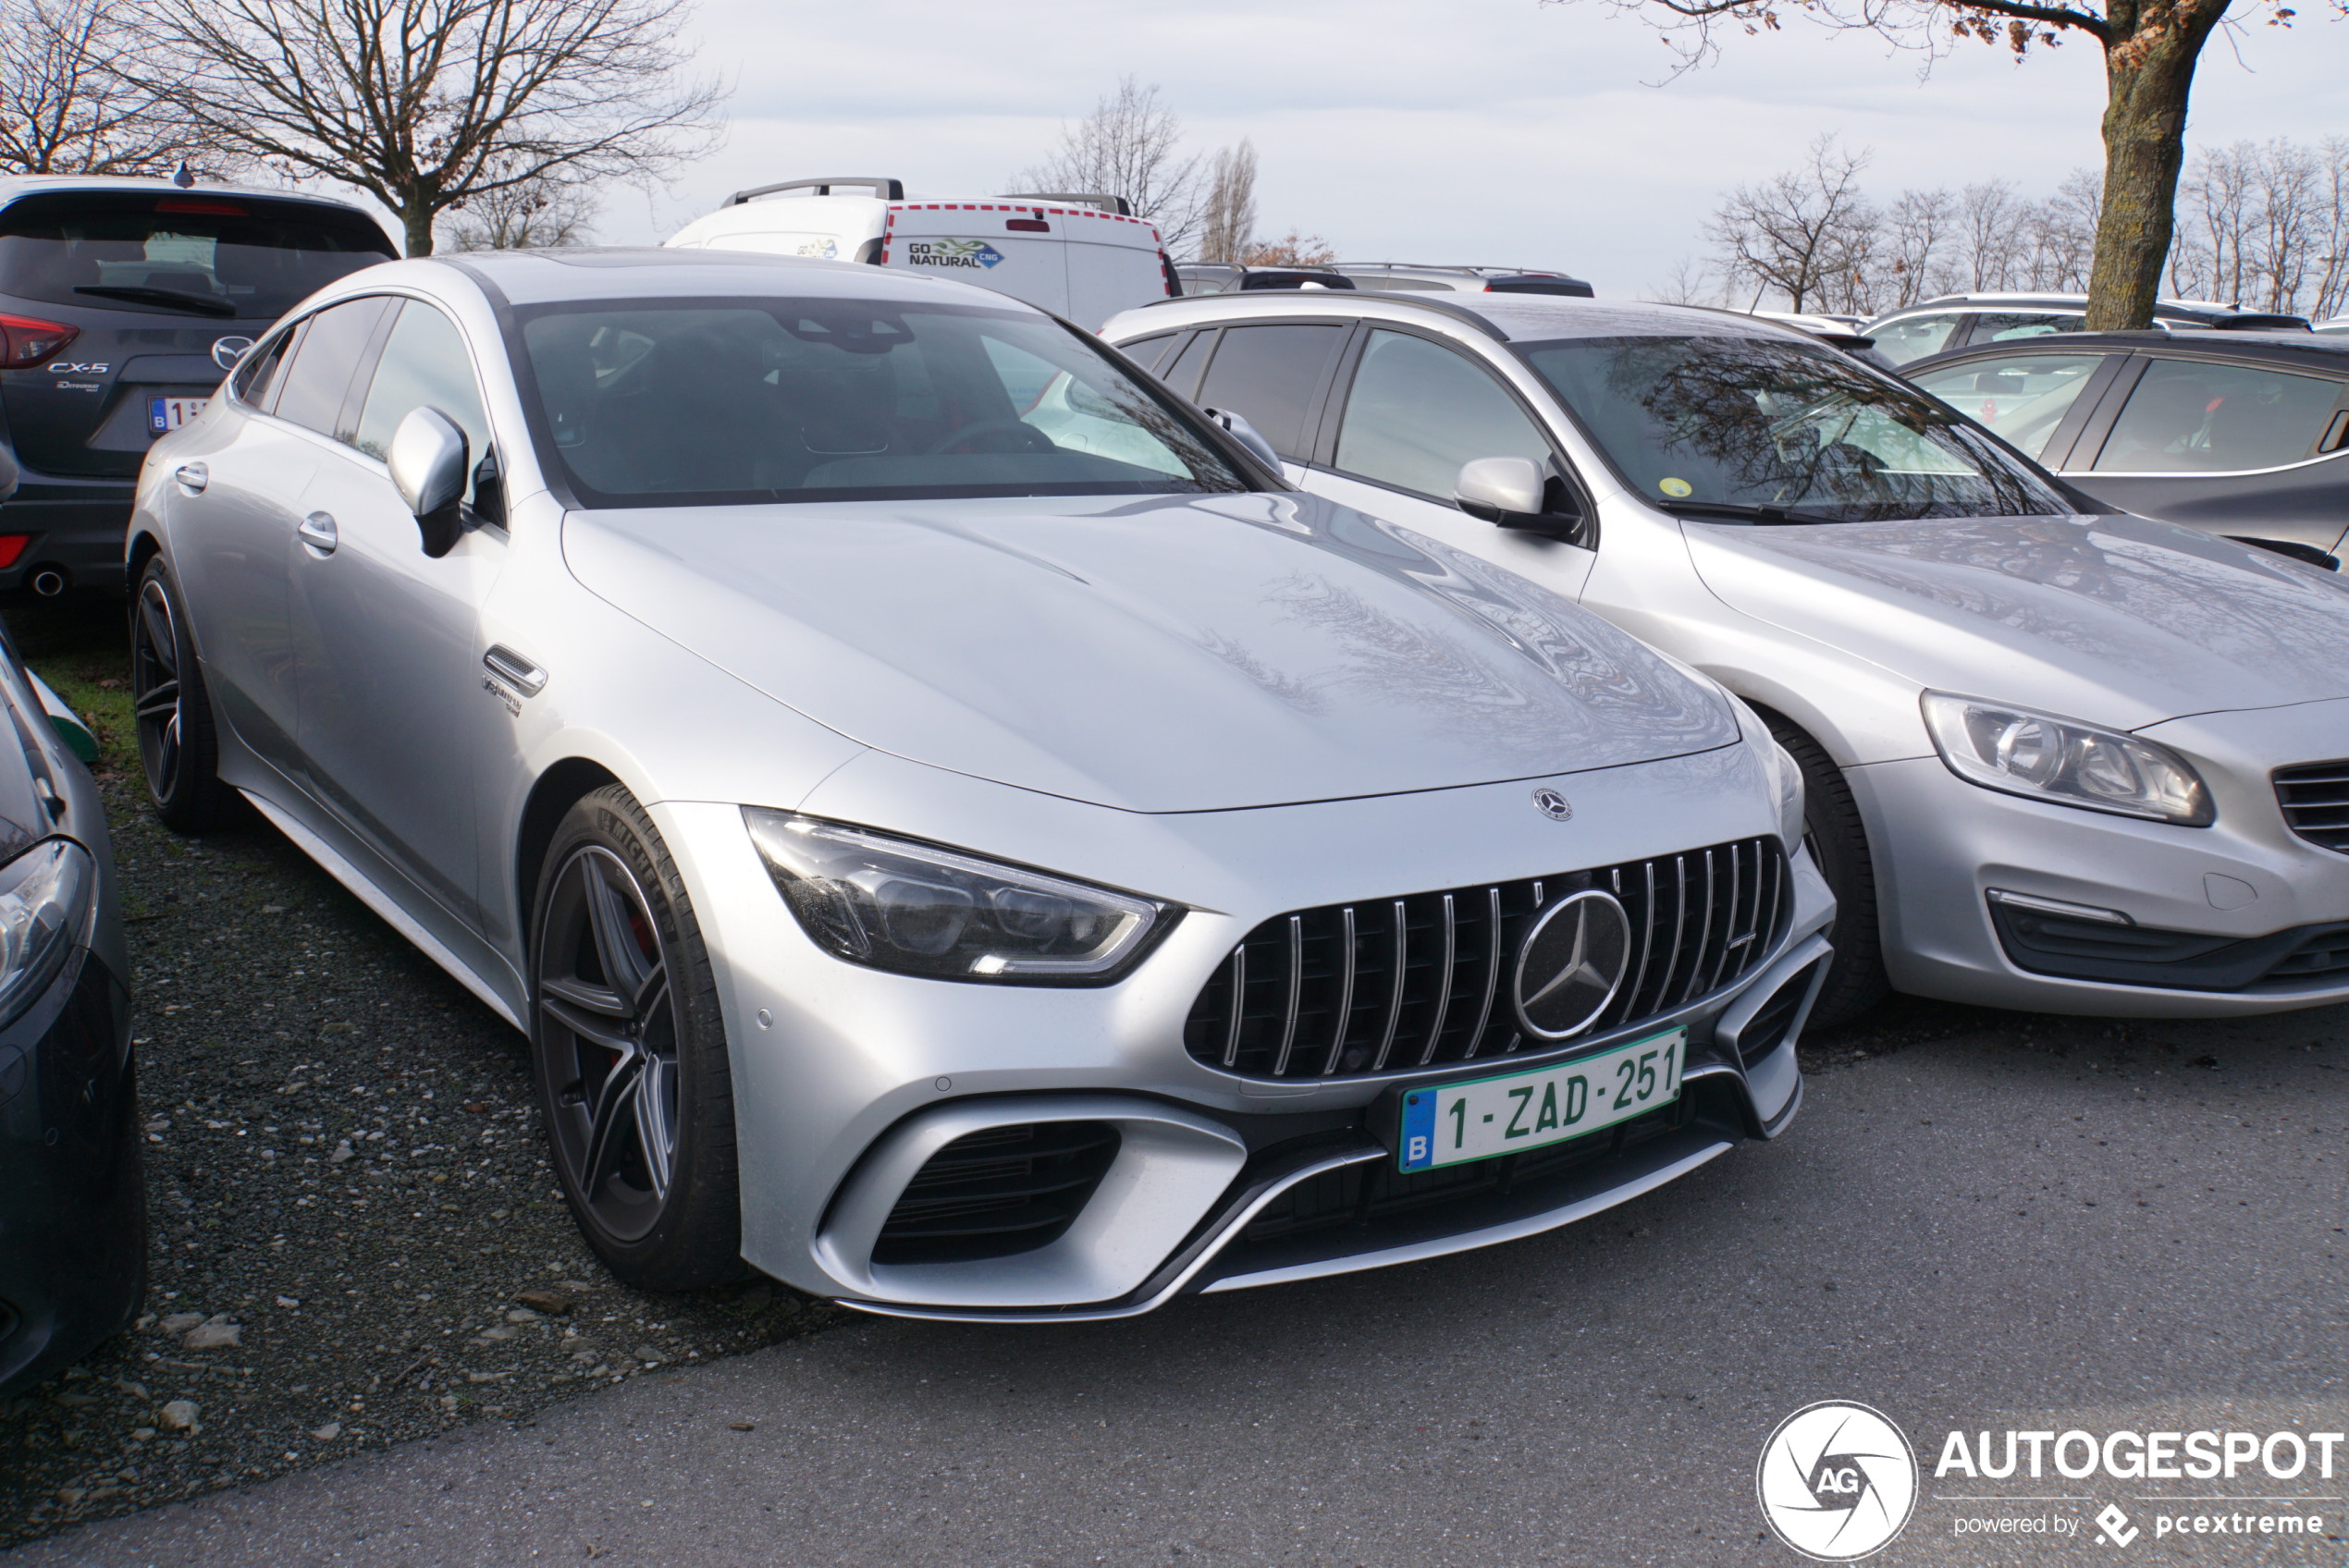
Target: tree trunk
[(418, 215), (2148, 78)]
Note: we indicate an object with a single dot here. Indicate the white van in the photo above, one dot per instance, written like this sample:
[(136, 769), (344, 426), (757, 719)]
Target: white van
[(1083, 257)]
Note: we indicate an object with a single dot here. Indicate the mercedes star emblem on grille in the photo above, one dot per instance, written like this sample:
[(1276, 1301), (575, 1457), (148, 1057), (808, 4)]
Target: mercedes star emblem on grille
[(1572, 964), (1551, 804)]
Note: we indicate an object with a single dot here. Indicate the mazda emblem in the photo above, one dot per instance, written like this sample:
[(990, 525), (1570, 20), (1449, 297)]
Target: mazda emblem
[(1551, 804), (226, 351), (1572, 964)]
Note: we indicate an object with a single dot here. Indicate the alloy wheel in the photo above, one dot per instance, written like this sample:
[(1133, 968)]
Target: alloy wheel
[(608, 1034), (155, 690)]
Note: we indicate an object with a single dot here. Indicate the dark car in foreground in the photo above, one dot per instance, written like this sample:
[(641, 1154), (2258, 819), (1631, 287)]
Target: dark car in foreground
[(122, 303), (73, 1212), (2241, 434)]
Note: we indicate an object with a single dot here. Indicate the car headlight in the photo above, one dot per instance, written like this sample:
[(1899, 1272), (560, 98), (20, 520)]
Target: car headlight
[(1790, 772), (45, 908), (920, 910), (2064, 761)]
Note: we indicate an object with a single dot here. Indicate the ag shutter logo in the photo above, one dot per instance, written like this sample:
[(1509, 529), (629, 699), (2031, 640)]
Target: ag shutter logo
[(974, 254), (1836, 1481)]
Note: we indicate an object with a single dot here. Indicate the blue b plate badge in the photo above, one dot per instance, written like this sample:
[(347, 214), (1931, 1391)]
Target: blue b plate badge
[(166, 414), (1456, 1123)]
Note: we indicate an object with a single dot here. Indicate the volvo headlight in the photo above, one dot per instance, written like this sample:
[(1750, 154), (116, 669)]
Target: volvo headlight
[(2062, 760), (920, 910), (44, 907)]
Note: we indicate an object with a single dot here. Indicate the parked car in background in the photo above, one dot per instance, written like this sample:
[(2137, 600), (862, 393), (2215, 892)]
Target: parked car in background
[(2337, 324), (1963, 321), (959, 831), (2234, 432), (1230, 277), (121, 304), (1413, 277), (1085, 257), (2056, 759), (73, 1206)]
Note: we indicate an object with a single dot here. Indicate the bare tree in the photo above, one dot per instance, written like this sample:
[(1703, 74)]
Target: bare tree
[(1227, 217), (2150, 50), (1988, 217), (522, 217), (64, 111), (1130, 146), (1291, 250), (1689, 283), (1805, 234), (426, 105), (1912, 254)]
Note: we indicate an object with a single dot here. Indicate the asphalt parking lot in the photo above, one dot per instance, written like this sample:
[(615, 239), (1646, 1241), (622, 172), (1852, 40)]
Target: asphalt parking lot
[(1980, 1221)]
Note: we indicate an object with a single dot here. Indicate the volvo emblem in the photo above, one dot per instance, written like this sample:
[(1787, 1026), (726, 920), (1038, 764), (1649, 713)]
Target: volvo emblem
[(1572, 964), (1551, 804), (226, 351)]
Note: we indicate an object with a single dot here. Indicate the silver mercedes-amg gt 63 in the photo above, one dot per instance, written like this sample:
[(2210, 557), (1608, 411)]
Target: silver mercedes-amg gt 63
[(961, 833), (2057, 757)]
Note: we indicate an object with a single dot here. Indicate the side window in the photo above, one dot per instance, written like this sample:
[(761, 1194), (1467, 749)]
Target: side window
[(2001, 326), (1418, 411), (315, 382), (2024, 398), (1268, 375), (2190, 416), (424, 363), (1146, 352), (1912, 337), (1183, 374), (256, 378)]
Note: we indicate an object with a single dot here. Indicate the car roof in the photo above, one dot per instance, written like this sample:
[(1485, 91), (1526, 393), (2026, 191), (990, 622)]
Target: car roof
[(2281, 345), (1509, 317), (16, 187), (531, 277)]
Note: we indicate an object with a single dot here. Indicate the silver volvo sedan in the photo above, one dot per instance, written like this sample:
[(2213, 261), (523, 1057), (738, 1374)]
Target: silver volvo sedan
[(960, 832), (2058, 756)]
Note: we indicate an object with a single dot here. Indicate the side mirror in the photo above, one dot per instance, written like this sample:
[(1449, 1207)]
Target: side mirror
[(427, 462), (1514, 492), (1246, 436)]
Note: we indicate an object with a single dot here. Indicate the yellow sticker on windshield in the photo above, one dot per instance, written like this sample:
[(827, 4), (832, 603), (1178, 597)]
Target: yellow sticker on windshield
[(1674, 488)]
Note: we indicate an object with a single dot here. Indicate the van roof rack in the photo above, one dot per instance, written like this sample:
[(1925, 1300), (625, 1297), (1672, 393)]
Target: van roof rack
[(1107, 204), (1288, 298), (887, 189)]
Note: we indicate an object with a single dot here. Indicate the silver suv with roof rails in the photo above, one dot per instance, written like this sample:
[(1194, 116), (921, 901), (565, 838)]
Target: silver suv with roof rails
[(1951, 322), (1413, 277), (2056, 756)]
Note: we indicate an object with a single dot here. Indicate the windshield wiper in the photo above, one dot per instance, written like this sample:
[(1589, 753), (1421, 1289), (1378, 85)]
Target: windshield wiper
[(170, 297), (1752, 511)]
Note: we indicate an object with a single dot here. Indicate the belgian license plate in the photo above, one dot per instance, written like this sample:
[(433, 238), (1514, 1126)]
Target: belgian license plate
[(169, 413), (1455, 1123)]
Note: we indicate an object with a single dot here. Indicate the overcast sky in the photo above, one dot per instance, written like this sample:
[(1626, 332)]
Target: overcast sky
[(1508, 131)]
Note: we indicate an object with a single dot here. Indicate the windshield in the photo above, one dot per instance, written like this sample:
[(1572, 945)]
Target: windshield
[(723, 402), (1761, 424), (223, 258)]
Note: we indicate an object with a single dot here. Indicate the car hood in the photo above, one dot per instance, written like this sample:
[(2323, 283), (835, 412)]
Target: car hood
[(1156, 654), (2119, 620)]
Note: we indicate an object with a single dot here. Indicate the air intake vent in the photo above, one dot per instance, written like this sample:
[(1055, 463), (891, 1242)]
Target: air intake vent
[(2315, 797), (1766, 1029), (1385, 984), (993, 1194)]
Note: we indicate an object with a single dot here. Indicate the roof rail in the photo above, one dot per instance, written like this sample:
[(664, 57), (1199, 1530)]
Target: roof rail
[(887, 189), (1107, 204), (1288, 298)]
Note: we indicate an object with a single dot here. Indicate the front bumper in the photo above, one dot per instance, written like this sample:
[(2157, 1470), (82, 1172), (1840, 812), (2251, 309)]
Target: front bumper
[(2246, 882), (848, 1080)]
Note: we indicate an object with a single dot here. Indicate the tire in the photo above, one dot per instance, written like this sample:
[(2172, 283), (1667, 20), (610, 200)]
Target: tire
[(178, 745), (628, 1052), (1838, 842)]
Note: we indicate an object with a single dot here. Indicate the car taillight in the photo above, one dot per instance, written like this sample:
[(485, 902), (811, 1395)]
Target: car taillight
[(11, 547), (24, 341), (1027, 226)]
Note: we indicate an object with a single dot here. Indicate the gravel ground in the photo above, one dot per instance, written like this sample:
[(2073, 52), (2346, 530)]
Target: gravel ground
[(357, 1236)]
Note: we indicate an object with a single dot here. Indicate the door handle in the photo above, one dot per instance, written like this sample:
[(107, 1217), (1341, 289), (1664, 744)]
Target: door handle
[(192, 477), (317, 531), (515, 669)]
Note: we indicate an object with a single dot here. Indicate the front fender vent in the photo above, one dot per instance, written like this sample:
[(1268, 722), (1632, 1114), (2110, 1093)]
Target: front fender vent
[(1387, 984)]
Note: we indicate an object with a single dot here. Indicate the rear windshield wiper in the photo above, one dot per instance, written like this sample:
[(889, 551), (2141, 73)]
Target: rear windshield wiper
[(170, 297), (1751, 511)]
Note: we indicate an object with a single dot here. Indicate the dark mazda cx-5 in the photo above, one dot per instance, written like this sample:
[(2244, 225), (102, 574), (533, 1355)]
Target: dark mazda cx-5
[(122, 303)]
